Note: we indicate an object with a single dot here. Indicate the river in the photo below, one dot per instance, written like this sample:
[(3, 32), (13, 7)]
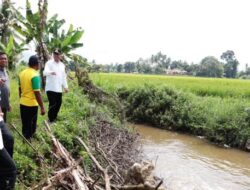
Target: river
[(191, 163)]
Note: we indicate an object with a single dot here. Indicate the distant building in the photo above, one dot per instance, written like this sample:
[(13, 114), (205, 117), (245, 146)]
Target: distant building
[(175, 72)]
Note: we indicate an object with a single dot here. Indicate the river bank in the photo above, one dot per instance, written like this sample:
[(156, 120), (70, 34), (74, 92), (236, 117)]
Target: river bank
[(222, 120), (79, 117)]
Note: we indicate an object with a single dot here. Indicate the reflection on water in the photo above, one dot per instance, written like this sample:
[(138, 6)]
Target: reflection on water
[(190, 163)]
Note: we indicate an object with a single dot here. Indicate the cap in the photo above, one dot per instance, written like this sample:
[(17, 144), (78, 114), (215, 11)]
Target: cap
[(57, 51)]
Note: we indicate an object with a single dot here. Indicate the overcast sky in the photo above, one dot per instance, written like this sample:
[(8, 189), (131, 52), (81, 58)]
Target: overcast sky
[(124, 30)]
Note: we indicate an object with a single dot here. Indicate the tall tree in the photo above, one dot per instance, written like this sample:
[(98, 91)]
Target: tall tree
[(161, 60), (129, 67), (119, 68), (179, 65), (47, 34), (6, 18), (210, 67), (10, 42), (231, 64)]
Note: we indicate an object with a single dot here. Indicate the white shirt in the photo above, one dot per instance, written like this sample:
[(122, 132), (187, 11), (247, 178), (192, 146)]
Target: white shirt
[(57, 82)]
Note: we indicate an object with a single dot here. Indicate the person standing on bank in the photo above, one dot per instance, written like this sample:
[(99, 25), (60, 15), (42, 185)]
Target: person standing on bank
[(56, 82), (30, 97), (7, 165), (4, 86)]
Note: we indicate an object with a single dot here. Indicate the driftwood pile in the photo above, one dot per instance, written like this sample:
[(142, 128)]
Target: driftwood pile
[(120, 151), (113, 155)]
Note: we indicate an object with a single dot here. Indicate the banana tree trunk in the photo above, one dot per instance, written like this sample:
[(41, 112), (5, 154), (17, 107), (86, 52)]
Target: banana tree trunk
[(42, 49), (43, 55), (4, 22)]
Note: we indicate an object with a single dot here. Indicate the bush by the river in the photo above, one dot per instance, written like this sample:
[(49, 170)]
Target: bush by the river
[(216, 108), (224, 121)]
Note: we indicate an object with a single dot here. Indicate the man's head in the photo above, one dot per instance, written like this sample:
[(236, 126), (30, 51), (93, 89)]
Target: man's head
[(3, 59), (57, 55), (33, 62)]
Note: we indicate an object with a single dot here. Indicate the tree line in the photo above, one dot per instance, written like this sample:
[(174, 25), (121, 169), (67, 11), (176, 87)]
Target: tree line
[(160, 63)]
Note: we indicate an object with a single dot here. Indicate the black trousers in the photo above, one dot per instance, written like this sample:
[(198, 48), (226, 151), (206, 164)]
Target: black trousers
[(8, 139), (4, 110), (55, 102), (7, 171), (29, 120), (7, 165)]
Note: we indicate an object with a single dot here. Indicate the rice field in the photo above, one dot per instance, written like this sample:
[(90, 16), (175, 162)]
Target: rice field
[(215, 108), (199, 86)]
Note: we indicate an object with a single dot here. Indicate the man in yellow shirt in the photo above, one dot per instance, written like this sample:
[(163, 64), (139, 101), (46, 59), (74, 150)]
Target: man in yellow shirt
[(30, 97)]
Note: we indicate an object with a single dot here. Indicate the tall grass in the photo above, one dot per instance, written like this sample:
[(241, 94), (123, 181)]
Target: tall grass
[(199, 86), (76, 115), (215, 108)]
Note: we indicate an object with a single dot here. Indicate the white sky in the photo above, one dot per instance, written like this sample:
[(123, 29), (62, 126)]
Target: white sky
[(124, 30)]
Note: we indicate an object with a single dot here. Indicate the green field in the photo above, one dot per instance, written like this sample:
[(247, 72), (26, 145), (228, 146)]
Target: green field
[(198, 86), (218, 109)]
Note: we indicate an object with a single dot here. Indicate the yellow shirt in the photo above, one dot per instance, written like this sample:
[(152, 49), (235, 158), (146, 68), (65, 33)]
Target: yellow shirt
[(29, 81)]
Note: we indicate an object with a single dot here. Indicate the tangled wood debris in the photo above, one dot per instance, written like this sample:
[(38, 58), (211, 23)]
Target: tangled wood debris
[(112, 151), (111, 156), (121, 151)]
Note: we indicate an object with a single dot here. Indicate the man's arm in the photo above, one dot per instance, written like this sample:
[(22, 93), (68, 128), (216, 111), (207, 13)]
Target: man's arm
[(2, 82), (19, 91), (40, 101), (19, 87), (64, 82), (36, 85)]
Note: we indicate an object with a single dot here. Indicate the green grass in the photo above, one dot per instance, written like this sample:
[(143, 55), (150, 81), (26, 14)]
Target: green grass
[(199, 86), (215, 108), (72, 121)]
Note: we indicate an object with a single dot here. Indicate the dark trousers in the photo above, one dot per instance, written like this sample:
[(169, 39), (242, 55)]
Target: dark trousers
[(55, 102), (7, 171), (8, 139), (4, 110), (7, 165), (29, 119)]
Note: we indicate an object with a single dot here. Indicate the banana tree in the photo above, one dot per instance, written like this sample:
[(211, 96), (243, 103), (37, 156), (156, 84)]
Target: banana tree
[(5, 20), (47, 34), (32, 27), (12, 50), (10, 41), (65, 41)]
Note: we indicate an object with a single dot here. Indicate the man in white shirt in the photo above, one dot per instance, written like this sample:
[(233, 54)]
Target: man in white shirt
[(56, 83), (7, 165)]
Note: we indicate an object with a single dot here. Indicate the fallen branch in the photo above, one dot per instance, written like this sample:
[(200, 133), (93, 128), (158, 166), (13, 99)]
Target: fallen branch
[(100, 151), (25, 140), (104, 171), (76, 172)]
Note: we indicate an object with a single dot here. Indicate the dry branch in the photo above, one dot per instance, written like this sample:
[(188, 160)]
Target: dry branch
[(104, 171), (26, 141), (74, 171)]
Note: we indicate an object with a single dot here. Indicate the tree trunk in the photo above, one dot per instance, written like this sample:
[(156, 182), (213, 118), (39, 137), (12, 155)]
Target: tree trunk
[(42, 49)]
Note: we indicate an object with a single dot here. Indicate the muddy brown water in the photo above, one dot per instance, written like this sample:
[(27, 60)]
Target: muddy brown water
[(190, 163)]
